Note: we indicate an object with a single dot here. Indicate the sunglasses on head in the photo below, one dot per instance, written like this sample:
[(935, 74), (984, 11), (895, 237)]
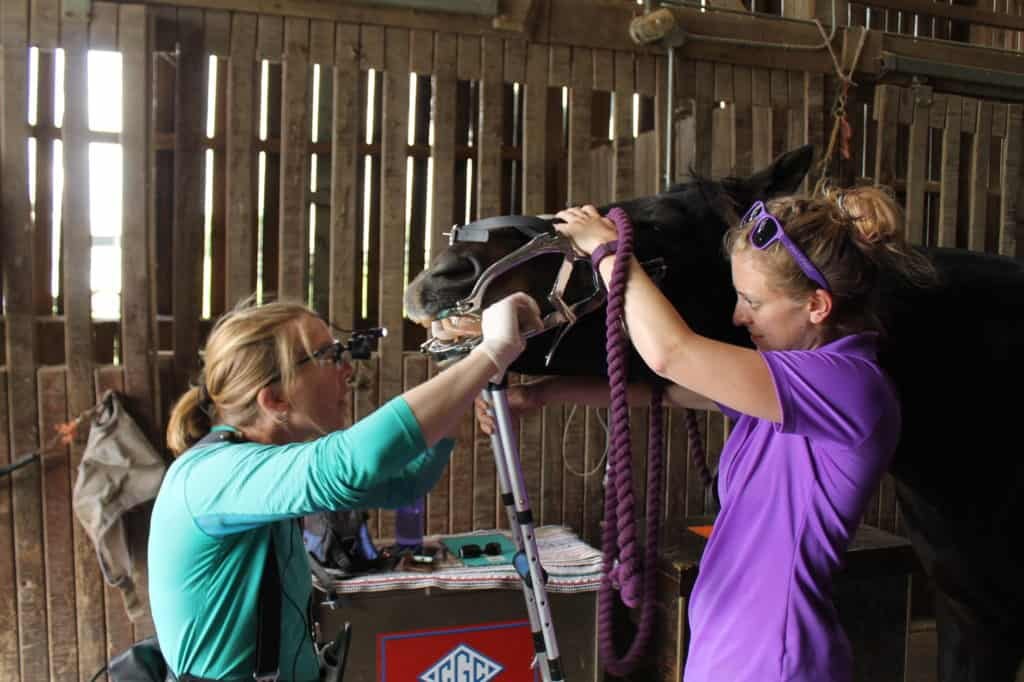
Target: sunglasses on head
[(765, 230)]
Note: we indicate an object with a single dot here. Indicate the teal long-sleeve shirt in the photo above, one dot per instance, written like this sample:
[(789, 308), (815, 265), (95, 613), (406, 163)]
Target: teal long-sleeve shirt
[(211, 526)]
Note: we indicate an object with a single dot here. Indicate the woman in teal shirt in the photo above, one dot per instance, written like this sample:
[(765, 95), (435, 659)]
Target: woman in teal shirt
[(276, 384)]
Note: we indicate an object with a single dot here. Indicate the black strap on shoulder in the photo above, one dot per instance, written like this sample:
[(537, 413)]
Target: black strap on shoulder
[(268, 625)]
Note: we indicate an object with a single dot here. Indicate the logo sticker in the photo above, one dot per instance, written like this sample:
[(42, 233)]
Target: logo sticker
[(462, 664)]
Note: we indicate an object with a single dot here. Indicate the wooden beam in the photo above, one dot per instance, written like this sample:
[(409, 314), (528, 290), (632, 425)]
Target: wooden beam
[(293, 247)]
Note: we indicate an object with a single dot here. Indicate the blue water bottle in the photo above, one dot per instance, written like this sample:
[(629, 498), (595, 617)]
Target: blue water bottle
[(409, 526)]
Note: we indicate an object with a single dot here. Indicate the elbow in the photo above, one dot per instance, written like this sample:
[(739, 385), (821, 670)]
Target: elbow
[(662, 359)]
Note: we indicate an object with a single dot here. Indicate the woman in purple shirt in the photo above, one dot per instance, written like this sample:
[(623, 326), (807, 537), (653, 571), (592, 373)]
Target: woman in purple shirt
[(816, 420)]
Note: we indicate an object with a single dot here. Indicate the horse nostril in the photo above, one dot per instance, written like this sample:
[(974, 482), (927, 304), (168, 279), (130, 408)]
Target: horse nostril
[(457, 269)]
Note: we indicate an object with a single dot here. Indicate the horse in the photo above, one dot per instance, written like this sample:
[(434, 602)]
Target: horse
[(956, 474)]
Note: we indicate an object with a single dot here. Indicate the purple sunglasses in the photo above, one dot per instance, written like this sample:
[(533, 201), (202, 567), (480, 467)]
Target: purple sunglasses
[(766, 230)]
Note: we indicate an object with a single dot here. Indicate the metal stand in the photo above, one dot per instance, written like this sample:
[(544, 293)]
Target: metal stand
[(527, 559)]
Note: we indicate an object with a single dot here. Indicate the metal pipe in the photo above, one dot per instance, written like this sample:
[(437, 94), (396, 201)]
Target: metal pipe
[(669, 114)]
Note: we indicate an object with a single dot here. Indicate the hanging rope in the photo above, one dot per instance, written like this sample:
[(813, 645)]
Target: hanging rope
[(841, 129), (621, 567), (65, 435)]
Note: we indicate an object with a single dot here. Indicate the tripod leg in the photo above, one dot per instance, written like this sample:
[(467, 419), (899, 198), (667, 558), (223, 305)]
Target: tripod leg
[(529, 569)]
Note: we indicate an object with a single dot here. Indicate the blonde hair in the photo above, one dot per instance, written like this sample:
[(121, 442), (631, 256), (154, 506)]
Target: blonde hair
[(852, 236), (248, 348)]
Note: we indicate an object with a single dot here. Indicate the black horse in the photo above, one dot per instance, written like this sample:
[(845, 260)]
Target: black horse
[(956, 468)]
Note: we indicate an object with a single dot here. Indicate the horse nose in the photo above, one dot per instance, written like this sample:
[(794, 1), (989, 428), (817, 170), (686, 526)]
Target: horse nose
[(456, 268)]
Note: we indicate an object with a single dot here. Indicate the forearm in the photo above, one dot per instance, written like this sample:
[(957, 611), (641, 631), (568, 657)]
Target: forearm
[(439, 404)]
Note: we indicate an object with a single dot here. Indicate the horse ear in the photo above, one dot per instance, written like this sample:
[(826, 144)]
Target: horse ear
[(784, 175)]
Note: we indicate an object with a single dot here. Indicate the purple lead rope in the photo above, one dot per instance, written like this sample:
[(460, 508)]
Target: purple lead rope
[(618, 534)]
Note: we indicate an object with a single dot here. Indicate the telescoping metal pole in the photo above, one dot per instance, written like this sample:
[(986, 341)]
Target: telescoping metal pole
[(527, 558)]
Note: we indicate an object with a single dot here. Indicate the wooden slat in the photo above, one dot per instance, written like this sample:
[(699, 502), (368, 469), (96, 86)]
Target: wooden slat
[(392, 225), (320, 219), (580, 101), (321, 42), (560, 67), (814, 107), (189, 137), (443, 151), (44, 23), (243, 110), (8, 598), (1010, 181), (886, 107), (622, 102), (593, 468), (695, 492), (549, 507), (980, 151), (573, 461), (604, 70), (797, 124), (780, 118), (372, 47), (661, 120), (293, 248), (421, 52), (270, 37), (20, 348), (345, 130), (761, 120), (917, 163), (56, 495), (534, 127), (950, 178), (676, 444), (217, 32), (704, 89), (646, 72), (530, 448), (468, 65), (723, 142), (743, 137), (515, 61), (103, 27)]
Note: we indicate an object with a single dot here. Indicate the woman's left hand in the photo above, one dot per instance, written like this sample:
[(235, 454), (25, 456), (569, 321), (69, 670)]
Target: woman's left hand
[(586, 227)]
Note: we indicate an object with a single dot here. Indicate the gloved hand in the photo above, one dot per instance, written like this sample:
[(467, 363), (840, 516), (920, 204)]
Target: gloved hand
[(503, 325)]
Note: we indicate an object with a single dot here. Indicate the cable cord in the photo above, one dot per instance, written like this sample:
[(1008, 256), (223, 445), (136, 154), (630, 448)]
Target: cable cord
[(565, 437)]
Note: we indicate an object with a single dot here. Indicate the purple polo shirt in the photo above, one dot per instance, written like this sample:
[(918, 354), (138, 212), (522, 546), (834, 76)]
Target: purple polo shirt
[(792, 495)]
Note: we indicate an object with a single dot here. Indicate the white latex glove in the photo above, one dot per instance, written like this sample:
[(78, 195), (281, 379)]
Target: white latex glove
[(439, 331), (503, 325)]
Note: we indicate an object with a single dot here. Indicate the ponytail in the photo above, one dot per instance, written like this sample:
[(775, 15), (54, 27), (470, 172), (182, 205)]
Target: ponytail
[(189, 422)]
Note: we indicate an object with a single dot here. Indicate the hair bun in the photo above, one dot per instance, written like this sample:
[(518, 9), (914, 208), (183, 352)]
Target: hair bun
[(873, 213)]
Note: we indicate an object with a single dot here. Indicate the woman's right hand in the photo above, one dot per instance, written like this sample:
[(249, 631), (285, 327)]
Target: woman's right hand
[(504, 325), (522, 400)]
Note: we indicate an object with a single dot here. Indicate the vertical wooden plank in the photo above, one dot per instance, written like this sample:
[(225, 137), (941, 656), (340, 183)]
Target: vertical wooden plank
[(8, 598), (676, 445), (488, 184), (723, 142), (761, 119), (917, 163), (560, 66), (980, 151), (20, 347), (293, 247), (743, 137), (949, 182), (604, 70), (321, 42), (1010, 182), (138, 258), (886, 111), (796, 128), (216, 32), (580, 102), (534, 129), (392, 227), (622, 103), (443, 150), (345, 130), (468, 65), (421, 52), (56, 494), (243, 109), (515, 61), (103, 27), (44, 23), (270, 37), (189, 136), (814, 116), (704, 89), (780, 118), (372, 47), (695, 491), (661, 120)]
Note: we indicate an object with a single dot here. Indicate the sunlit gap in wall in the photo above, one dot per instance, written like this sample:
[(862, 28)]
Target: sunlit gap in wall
[(261, 176), (211, 118), (371, 85), (314, 168)]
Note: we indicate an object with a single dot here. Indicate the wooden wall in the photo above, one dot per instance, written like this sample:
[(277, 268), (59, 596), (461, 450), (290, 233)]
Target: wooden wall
[(341, 151)]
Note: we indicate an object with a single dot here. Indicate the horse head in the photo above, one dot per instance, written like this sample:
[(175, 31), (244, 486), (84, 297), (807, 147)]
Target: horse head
[(681, 229)]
